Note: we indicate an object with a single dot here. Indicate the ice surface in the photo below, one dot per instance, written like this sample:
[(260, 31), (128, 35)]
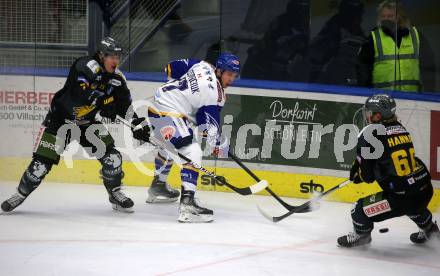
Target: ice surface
[(65, 229)]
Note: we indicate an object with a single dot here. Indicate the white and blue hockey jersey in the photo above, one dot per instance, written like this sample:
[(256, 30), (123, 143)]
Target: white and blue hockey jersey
[(177, 68), (196, 95)]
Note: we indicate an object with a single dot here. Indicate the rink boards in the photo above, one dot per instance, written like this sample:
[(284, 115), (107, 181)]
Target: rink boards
[(24, 101), (287, 184)]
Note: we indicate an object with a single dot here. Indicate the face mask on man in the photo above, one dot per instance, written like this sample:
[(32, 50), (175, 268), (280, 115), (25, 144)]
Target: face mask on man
[(389, 25)]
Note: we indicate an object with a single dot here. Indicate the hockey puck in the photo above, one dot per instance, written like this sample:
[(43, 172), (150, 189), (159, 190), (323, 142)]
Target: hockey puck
[(384, 230)]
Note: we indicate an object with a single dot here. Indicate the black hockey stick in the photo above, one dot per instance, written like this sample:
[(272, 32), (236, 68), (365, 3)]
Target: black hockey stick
[(253, 189), (256, 178), (305, 206)]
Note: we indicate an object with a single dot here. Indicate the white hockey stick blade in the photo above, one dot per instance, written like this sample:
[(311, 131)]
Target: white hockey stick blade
[(259, 186), (264, 214)]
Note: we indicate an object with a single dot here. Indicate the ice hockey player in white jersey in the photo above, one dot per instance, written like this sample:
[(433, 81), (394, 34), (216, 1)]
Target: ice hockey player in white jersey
[(194, 96)]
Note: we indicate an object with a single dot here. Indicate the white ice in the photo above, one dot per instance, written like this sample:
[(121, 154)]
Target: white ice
[(65, 229)]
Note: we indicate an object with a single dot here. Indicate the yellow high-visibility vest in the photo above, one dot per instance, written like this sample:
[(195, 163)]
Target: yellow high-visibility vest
[(396, 70)]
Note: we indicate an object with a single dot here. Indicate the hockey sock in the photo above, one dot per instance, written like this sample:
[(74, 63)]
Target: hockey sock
[(422, 220), (33, 176), (189, 177), (111, 169), (361, 223), (162, 167)]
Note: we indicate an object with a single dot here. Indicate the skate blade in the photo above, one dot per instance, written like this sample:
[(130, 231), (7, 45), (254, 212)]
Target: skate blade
[(360, 247), (191, 218), (121, 209), (161, 199), (433, 240), (3, 212)]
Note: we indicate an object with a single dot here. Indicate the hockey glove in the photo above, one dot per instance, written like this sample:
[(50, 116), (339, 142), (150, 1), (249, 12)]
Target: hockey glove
[(140, 133), (216, 152), (220, 151), (355, 172)]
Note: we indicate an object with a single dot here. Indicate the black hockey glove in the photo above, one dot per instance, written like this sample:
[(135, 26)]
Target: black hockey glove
[(354, 173), (140, 133)]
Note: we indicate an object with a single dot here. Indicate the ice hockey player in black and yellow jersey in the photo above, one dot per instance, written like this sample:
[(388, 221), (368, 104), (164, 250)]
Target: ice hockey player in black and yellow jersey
[(94, 84), (385, 153)]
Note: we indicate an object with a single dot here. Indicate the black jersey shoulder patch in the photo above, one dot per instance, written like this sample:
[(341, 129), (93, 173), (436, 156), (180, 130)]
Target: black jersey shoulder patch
[(89, 68)]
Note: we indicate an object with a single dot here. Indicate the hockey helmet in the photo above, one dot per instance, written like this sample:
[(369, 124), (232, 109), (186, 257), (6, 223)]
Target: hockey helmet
[(228, 62), (380, 103), (109, 46)]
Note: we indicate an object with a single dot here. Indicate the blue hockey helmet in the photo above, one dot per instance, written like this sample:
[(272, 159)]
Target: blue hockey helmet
[(228, 62)]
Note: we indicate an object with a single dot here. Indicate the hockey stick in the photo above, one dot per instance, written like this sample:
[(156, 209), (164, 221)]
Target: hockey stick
[(256, 178), (305, 206), (253, 189)]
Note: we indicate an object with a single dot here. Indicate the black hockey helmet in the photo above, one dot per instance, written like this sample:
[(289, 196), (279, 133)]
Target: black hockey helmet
[(380, 103), (109, 46)]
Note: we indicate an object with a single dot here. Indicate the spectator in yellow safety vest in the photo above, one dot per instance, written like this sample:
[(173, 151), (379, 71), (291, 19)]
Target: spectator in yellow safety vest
[(391, 57)]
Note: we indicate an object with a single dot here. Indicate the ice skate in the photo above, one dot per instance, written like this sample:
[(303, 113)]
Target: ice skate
[(353, 240), (161, 192), (425, 235), (13, 202), (120, 202), (190, 211)]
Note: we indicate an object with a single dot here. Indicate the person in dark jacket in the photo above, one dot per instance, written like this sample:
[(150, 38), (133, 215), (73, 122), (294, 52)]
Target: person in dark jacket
[(94, 85), (333, 53), (385, 153)]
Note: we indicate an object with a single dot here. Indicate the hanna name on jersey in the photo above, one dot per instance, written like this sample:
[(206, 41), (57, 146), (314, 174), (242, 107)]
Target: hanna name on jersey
[(400, 139)]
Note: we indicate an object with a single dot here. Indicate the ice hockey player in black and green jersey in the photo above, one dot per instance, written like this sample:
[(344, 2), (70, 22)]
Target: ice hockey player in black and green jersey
[(385, 153), (94, 84)]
